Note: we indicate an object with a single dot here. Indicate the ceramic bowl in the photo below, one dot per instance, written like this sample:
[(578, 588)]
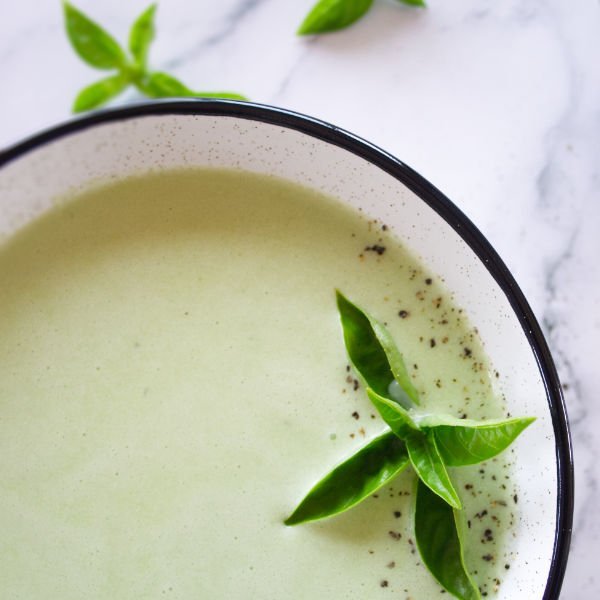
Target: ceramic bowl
[(152, 137)]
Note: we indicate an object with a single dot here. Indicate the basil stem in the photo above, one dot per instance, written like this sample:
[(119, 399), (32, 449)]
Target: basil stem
[(331, 15), (437, 533), (462, 442), (355, 479), (373, 352), (163, 85)]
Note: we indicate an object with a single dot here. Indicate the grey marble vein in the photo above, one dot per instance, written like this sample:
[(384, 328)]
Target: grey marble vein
[(231, 22)]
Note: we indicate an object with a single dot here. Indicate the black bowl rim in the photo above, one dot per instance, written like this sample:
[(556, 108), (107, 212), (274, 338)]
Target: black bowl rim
[(428, 194)]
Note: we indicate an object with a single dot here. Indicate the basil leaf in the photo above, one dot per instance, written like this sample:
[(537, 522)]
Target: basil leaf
[(331, 15), (163, 85), (357, 478), (394, 415), (373, 351), (141, 35), (430, 468), (413, 2), (467, 444), (93, 44), (437, 533), (100, 92)]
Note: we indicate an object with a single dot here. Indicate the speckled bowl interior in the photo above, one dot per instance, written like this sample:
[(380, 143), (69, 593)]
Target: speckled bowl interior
[(116, 144)]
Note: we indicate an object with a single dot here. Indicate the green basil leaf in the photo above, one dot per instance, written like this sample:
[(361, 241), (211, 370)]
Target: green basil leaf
[(437, 533), (100, 92), (430, 468), (93, 44), (462, 442), (413, 2), (331, 15), (373, 351), (394, 415), (141, 35), (357, 478), (163, 85)]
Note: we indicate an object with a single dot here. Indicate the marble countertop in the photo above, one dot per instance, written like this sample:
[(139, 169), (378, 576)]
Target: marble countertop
[(496, 103)]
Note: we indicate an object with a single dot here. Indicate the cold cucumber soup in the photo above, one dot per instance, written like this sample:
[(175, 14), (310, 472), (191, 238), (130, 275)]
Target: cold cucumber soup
[(174, 379)]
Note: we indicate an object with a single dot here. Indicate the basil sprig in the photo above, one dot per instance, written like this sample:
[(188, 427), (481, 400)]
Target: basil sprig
[(428, 442), (332, 15), (100, 50)]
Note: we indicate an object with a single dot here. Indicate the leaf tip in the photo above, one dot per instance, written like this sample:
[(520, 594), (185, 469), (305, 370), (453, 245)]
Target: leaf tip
[(151, 10), (304, 29), (291, 520)]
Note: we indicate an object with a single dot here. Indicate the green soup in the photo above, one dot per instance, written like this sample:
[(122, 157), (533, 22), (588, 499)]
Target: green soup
[(173, 379)]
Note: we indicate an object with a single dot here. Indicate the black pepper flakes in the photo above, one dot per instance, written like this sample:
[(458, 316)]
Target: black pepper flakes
[(397, 514), (403, 314), (356, 415), (429, 281), (395, 535), (377, 248), (432, 343), (384, 583)]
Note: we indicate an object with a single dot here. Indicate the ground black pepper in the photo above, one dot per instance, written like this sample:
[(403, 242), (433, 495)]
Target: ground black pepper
[(375, 248)]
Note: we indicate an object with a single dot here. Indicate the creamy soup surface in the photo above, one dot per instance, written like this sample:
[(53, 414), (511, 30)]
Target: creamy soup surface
[(173, 380)]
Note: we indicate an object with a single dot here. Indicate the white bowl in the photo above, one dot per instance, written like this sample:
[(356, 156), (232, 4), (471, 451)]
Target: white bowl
[(165, 135)]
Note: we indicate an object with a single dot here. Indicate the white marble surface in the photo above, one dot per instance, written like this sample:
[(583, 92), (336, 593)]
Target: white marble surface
[(496, 103)]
